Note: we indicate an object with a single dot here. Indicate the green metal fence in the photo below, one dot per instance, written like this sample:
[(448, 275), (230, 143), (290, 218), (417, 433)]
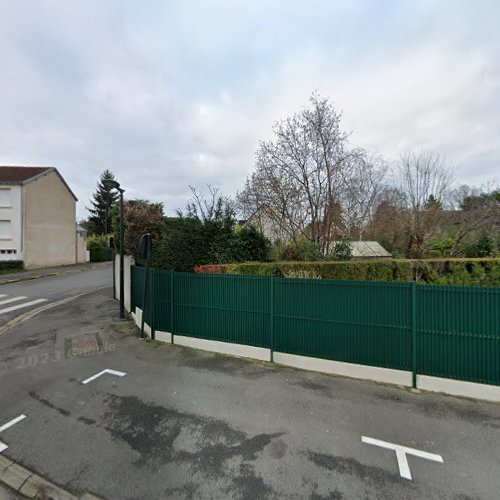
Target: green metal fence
[(445, 331)]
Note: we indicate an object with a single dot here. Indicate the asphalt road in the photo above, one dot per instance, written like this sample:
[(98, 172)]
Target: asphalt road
[(188, 424), (19, 298)]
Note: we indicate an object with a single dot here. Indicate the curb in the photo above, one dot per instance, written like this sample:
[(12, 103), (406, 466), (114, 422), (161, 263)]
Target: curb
[(46, 275), (38, 276), (30, 485)]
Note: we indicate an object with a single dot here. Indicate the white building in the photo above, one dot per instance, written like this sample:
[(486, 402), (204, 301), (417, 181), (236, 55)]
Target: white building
[(37, 218)]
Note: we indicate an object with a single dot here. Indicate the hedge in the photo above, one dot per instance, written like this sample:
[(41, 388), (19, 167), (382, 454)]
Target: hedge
[(8, 265), (481, 272), (101, 254)]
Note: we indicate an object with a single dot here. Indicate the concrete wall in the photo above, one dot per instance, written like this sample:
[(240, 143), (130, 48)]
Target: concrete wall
[(127, 279), (82, 254), (11, 244), (49, 223)]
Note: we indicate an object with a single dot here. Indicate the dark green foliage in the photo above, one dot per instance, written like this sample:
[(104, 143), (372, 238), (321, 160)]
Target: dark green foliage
[(484, 246), (99, 249), (342, 250), (103, 201), (189, 242), (309, 250), (182, 245), (11, 265), (207, 234), (101, 254), (241, 245), (480, 272)]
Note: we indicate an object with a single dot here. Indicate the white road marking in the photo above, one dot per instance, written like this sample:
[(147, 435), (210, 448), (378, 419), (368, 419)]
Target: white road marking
[(6, 426), (20, 306), (401, 452), (3, 295), (111, 372), (13, 299), (14, 421)]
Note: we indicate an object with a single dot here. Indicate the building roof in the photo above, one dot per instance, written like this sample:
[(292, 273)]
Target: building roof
[(17, 175), (10, 174), (368, 249)]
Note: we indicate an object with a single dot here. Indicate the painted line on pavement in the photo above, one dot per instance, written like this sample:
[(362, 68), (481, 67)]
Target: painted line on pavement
[(401, 452), (20, 306), (107, 370), (6, 426), (30, 314), (14, 421), (13, 299)]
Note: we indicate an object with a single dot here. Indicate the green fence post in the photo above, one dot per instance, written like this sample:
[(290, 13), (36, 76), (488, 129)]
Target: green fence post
[(414, 332), (172, 303), (271, 325), (153, 329)]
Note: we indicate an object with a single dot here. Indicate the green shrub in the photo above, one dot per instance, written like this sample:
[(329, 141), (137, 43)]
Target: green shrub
[(97, 241), (473, 272), (342, 250), (309, 251), (13, 265), (100, 254), (99, 249)]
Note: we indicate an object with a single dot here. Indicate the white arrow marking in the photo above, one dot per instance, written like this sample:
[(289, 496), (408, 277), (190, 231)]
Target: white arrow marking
[(401, 452), (4, 427), (111, 372)]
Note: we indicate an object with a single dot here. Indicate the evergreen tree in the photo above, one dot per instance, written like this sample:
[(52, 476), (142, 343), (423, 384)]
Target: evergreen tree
[(103, 201)]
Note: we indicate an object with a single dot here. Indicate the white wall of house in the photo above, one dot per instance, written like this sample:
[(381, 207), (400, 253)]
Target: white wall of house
[(11, 222)]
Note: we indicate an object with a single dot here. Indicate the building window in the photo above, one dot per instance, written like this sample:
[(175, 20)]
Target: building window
[(5, 200), (5, 230)]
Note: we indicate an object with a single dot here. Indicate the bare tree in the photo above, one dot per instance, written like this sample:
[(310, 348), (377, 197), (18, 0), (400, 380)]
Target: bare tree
[(214, 208), (311, 184), (361, 190), (476, 210), (425, 181)]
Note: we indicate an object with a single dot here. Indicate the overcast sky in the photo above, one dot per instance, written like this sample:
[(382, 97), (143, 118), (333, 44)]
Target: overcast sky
[(171, 93)]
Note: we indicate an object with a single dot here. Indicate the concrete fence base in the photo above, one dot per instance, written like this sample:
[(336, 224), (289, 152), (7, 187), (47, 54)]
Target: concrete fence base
[(352, 370)]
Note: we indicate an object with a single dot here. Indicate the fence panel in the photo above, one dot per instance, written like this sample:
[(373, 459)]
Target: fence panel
[(358, 322), (458, 332), (457, 328), (137, 280), (219, 307), (161, 282)]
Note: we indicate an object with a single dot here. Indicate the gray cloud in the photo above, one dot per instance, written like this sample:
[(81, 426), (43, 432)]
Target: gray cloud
[(168, 94)]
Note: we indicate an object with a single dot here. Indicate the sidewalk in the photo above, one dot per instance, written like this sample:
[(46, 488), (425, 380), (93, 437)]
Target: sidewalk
[(8, 494), (16, 276)]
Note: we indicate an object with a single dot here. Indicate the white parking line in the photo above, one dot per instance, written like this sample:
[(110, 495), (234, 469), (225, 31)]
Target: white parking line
[(20, 306), (111, 372), (14, 421), (13, 299), (6, 426), (401, 452)]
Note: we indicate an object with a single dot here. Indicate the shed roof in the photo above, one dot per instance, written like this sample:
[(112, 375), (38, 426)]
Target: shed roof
[(368, 249)]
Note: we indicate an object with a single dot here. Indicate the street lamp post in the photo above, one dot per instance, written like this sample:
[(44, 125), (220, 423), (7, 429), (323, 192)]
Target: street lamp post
[(112, 184)]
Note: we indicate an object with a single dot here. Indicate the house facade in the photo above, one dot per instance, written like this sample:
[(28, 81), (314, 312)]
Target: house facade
[(37, 218)]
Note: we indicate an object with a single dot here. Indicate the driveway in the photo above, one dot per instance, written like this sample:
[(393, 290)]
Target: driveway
[(181, 423)]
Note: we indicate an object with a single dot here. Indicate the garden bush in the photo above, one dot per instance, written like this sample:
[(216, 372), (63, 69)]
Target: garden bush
[(8, 265), (99, 249), (471, 272)]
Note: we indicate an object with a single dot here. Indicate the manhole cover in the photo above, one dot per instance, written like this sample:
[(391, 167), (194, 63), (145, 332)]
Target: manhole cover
[(85, 344)]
